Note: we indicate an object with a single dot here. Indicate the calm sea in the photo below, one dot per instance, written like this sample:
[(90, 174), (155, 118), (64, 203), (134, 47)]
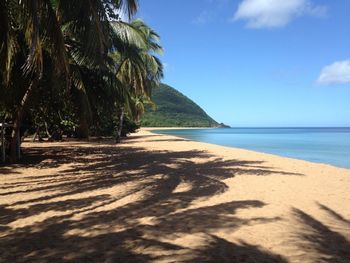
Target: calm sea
[(323, 145)]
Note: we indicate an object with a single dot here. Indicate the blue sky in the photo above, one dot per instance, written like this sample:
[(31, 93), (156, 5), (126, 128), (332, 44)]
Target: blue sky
[(258, 62)]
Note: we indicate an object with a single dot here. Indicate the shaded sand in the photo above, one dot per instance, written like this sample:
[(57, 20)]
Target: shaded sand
[(165, 199)]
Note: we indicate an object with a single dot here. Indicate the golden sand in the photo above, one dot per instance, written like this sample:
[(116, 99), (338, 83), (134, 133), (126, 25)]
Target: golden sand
[(165, 199)]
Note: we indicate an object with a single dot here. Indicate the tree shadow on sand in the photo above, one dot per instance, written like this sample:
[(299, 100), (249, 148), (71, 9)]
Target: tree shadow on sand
[(80, 214), (220, 250), (320, 241)]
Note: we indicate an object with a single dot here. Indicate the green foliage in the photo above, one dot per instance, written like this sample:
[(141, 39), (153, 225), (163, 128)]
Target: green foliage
[(129, 126), (173, 109), (74, 67)]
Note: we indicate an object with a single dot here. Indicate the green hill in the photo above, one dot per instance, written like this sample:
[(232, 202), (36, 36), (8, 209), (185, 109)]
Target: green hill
[(175, 110)]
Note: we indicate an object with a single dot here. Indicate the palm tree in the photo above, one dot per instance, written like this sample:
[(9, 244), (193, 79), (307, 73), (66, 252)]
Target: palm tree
[(74, 34), (30, 28), (139, 70)]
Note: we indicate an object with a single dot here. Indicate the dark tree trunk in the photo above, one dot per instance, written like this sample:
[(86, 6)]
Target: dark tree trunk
[(83, 128), (47, 130), (84, 114), (120, 127), (18, 120), (36, 134)]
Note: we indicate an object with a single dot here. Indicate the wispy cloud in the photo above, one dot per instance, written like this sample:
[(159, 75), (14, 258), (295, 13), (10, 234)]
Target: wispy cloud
[(212, 11), (165, 66), (336, 73), (203, 18), (168, 68), (275, 13)]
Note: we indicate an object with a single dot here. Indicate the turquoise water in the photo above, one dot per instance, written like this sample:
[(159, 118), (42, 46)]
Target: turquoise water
[(323, 145)]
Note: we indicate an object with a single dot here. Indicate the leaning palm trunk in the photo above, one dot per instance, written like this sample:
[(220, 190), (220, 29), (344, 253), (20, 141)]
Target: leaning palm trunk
[(18, 120), (120, 127)]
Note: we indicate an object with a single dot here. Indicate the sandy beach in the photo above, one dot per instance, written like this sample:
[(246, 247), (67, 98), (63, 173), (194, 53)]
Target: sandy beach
[(158, 198)]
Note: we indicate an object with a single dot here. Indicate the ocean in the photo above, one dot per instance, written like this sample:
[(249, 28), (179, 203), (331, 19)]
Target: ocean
[(322, 145)]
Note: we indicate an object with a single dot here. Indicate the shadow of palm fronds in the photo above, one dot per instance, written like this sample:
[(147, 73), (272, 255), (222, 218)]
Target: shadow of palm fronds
[(320, 241)]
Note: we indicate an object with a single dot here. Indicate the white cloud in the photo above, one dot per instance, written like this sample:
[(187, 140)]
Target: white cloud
[(336, 73), (275, 13)]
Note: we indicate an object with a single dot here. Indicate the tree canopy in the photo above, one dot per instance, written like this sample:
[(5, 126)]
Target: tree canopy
[(74, 68)]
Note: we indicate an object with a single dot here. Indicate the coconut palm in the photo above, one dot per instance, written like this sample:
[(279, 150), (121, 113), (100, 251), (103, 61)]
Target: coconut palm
[(29, 28), (139, 70), (72, 35)]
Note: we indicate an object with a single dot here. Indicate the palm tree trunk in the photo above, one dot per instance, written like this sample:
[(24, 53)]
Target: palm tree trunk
[(18, 120), (36, 134), (47, 130), (83, 128), (120, 127), (84, 114)]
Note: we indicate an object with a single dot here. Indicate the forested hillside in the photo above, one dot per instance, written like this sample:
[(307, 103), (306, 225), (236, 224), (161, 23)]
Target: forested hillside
[(173, 109)]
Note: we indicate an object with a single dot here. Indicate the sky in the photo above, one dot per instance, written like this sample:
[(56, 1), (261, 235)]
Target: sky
[(258, 63)]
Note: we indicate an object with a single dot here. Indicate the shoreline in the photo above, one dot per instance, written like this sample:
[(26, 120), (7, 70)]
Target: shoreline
[(175, 128), (237, 148), (160, 198)]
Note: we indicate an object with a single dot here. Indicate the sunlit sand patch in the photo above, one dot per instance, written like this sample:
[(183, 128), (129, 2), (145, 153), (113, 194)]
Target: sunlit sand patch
[(128, 199), (191, 241), (182, 187), (64, 194), (158, 254), (32, 220), (96, 230), (148, 220), (107, 203)]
